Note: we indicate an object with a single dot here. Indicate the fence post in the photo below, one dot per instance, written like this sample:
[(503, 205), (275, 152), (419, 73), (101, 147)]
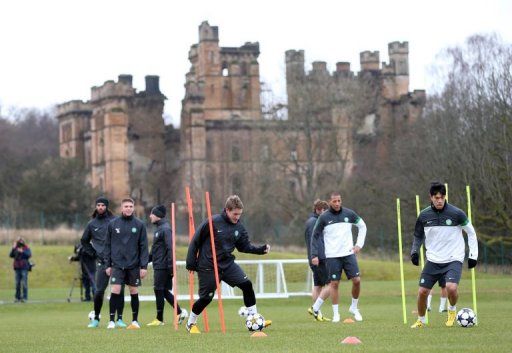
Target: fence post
[(485, 257), (41, 222)]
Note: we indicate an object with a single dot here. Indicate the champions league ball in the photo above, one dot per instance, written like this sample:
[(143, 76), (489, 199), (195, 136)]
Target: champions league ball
[(466, 317), (91, 316), (255, 322), (243, 311)]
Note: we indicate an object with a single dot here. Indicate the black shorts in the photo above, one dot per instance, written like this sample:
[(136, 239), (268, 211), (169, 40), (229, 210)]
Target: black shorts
[(162, 279), (101, 277), (233, 275), (336, 265), (320, 274), (130, 277), (442, 273)]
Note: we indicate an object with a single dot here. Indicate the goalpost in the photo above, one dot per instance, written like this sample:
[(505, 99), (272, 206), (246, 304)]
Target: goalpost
[(270, 278)]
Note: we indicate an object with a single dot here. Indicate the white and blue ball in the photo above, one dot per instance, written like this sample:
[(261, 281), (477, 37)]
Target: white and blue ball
[(255, 322), (243, 312), (466, 317), (91, 315)]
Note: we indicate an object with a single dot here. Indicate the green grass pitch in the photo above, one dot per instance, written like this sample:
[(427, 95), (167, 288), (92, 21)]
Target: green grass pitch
[(54, 325)]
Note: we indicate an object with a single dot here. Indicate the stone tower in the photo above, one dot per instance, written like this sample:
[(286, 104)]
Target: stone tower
[(385, 105), (119, 136), (222, 86)]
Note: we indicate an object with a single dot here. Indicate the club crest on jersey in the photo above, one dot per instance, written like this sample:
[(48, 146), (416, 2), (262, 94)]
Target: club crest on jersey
[(134, 230), (346, 219), (236, 233), (449, 222), (118, 230), (156, 234)]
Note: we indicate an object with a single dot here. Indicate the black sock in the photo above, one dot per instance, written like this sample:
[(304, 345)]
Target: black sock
[(98, 303), (135, 306), (159, 294), (170, 299), (120, 308), (114, 305)]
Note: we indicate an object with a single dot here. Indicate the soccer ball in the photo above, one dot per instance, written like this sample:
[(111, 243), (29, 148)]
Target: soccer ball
[(255, 322), (466, 317), (243, 311), (91, 315)]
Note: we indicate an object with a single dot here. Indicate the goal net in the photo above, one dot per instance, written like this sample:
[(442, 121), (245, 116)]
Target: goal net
[(270, 278)]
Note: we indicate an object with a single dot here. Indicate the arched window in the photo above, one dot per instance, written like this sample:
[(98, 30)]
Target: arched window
[(225, 71)]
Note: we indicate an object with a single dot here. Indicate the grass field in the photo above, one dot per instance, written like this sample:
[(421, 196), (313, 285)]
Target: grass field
[(59, 326)]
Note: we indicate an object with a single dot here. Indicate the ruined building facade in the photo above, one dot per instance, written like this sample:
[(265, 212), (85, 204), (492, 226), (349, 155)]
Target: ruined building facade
[(119, 136), (337, 124)]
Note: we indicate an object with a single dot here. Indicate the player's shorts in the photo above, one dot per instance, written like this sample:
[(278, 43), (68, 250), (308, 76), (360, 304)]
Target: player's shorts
[(442, 273), (130, 277), (101, 278), (335, 266), (232, 275), (442, 282), (320, 274), (162, 279)]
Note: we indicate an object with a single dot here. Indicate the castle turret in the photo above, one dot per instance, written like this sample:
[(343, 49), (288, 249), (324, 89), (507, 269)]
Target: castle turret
[(295, 80), (369, 60), (74, 123), (152, 85), (396, 73)]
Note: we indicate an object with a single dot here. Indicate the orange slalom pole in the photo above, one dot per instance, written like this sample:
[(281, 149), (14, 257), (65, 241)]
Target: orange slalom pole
[(215, 267), (191, 231), (174, 272)]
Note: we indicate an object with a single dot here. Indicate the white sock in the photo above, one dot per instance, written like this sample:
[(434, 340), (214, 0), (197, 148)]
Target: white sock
[(354, 303), (452, 307), (429, 300), (318, 304), (442, 303), (252, 310), (335, 309), (192, 318), (422, 319)]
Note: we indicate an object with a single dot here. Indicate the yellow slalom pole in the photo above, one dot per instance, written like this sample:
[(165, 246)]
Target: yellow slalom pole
[(401, 258), (422, 258), (473, 280), (446, 186)]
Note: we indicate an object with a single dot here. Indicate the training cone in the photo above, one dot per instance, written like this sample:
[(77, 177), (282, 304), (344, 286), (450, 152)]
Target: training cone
[(348, 321), (259, 334), (351, 340)]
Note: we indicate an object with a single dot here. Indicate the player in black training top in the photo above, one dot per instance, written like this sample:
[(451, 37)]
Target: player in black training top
[(161, 257), (93, 243), (229, 234), (126, 257)]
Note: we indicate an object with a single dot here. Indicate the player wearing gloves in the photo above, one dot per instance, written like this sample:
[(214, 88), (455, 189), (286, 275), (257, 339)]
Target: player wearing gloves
[(440, 227)]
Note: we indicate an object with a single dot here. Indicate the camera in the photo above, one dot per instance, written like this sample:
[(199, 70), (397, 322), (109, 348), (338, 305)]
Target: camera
[(20, 244)]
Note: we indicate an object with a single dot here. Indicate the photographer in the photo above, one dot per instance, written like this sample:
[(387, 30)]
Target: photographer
[(20, 252), (87, 258)]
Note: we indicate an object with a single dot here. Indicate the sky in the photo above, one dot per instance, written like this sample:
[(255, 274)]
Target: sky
[(54, 51)]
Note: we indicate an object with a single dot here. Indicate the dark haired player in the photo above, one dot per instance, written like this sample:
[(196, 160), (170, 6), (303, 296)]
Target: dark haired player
[(440, 227), (161, 257)]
